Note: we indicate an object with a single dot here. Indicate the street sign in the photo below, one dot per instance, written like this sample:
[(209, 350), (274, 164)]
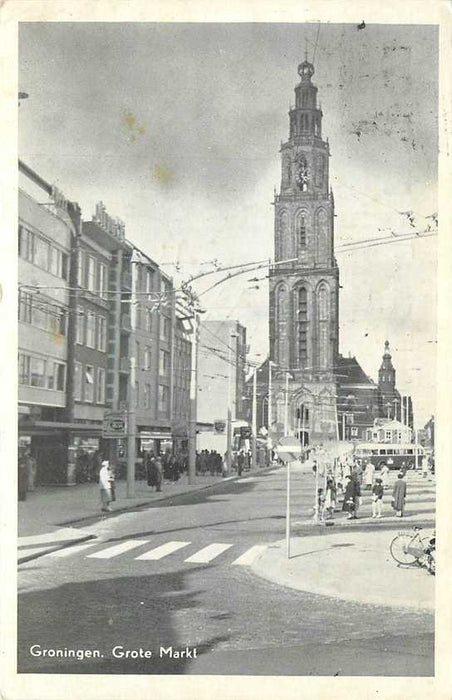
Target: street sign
[(289, 449), (115, 425)]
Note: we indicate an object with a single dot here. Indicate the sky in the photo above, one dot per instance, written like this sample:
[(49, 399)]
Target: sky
[(177, 129)]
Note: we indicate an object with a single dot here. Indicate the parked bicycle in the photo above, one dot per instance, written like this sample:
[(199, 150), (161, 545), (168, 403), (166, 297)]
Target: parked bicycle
[(409, 548)]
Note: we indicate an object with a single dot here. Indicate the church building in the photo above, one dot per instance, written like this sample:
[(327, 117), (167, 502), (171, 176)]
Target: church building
[(306, 388)]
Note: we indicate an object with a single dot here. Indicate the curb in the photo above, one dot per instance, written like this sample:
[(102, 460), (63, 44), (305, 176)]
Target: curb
[(55, 548), (164, 497)]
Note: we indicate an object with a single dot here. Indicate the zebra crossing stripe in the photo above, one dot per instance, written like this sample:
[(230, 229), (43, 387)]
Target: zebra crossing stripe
[(67, 551), (116, 549), (208, 553), (250, 555), (162, 551)]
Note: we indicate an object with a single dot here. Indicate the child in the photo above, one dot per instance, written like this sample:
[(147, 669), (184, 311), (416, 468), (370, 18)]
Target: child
[(377, 498), (321, 503), (330, 497)]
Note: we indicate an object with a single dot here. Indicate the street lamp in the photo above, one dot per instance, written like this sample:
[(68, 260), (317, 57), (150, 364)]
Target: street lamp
[(229, 419)]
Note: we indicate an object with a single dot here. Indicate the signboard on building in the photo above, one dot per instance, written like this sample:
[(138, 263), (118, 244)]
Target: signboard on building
[(115, 425)]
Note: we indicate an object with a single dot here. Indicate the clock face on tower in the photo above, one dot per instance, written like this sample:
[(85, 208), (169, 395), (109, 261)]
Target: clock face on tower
[(302, 175)]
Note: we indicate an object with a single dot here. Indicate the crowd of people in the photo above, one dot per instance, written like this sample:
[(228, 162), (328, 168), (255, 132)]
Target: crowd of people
[(348, 478)]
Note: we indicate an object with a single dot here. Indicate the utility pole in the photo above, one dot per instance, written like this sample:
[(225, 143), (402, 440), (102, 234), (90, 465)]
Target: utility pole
[(270, 397), (229, 415), (286, 406), (131, 417), (193, 401), (254, 421)]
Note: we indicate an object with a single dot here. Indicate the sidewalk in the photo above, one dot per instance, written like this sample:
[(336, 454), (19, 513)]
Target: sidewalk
[(353, 566), (54, 517)]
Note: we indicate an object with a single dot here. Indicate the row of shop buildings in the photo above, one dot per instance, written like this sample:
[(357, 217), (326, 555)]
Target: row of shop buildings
[(91, 304)]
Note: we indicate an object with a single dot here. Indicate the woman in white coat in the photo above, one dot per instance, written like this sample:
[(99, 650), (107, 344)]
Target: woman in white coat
[(384, 473), (369, 475), (105, 486)]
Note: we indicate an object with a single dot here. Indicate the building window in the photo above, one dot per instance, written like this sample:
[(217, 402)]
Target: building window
[(163, 398), (301, 231), (41, 253), (100, 386), (388, 435), (80, 276), (24, 368), (37, 372), (56, 372), (147, 358), (149, 281), (58, 263), (163, 363), (25, 306), (354, 431), (89, 384), (282, 341), (26, 244), (102, 280), (137, 395), (91, 329), (302, 327), (164, 328), (91, 279), (147, 396), (102, 333), (149, 320), (80, 325), (78, 369)]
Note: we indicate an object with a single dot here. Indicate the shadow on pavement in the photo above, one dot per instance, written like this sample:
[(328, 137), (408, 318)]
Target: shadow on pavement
[(129, 612)]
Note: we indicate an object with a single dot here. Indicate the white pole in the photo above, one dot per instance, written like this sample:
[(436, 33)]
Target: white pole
[(316, 500), (288, 511), (416, 456), (193, 398), (343, 426), (269, 412), (254, 421), (286, 406), (229, 413)]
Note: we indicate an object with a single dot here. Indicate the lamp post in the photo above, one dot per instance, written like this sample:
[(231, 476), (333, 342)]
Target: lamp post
[(254, 421), (193, 402), (229, 418)]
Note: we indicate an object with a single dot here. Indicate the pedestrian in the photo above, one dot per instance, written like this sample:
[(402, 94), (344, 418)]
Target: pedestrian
[(22, 477), (351, 497), (105, 488), (240, 462), (158, 466), (330, 497), (31, 469), (321, 504), (357, 472), (424, 467), (112, 480), (384, 473), (377, 497), (369, 475), (399, 495)]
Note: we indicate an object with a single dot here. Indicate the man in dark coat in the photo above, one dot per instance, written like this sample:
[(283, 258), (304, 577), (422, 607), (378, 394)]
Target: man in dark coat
[(399, 495), (351, 497)]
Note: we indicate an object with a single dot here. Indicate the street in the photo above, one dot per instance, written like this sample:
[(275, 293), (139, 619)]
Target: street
[(176, 577)]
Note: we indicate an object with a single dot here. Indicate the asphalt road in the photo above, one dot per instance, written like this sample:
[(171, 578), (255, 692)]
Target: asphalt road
[(210, 614)]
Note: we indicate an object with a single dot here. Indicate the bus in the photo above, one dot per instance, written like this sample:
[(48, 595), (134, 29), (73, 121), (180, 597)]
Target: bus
[(380, 453)]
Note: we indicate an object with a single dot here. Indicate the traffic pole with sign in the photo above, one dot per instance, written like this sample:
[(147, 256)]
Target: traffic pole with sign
[(288, 450)]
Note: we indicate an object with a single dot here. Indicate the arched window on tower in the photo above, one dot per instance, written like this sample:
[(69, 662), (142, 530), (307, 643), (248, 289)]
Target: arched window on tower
[(284, 236), (282, 320), (320, 171), (321, 231), (301, 232), (302, 309), (323, 309)]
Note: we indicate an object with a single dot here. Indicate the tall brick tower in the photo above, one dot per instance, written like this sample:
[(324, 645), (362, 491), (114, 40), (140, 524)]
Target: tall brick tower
[(304, 290)]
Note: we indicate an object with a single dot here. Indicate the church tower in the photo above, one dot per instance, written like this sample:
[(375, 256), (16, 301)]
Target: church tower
[(304, 282)]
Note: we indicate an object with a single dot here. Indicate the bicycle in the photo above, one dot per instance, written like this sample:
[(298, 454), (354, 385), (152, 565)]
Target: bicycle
[(409, 549)]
